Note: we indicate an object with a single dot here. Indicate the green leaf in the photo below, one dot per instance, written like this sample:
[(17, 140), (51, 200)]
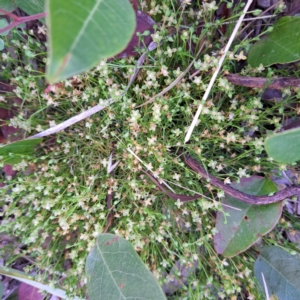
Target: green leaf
[(32, 7), (284, 147), (115, 271), (1, 44), (281, 272), (82, 33), (8, 5), (246, 223), (1, 289), (282, 45), (3, 23), (13, 153)]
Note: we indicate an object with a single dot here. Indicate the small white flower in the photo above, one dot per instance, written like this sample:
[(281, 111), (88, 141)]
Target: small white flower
[(169, 52), (242, 172), (282, 167), (178, 203), (241, 56), (258, 143), (210, 6), (227, 180), (52, 123), (197, 80), (260, 68), (164, 71), (104, 162), (212, 164), (88, 125), (230, 137), (164, 263), (159, 238), (177, 131), (221, 194), (152, 140), (149, 166), (176, 176), (225, 263), (231, 116), (42, 30), (156, 37), (152, 126), (5, 56)]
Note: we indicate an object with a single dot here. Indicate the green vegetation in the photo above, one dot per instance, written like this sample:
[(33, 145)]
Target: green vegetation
[(57, 204)]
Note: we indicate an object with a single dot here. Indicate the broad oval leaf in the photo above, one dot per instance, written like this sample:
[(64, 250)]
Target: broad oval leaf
[(1, 44), (1, 289), (246, 223), (281, 272), (29, 292), (13, 153), (8, 5), (31, 7), (3, 23), (81, 33), (115, 271), (284, 147), (282, 45)]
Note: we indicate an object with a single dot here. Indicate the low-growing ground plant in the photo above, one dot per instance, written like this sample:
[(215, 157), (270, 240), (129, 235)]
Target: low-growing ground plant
[(67, 193)]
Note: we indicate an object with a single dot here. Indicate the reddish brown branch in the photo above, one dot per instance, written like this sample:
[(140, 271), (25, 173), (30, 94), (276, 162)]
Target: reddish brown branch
[(250, 199), (255, 200), (259, 82), (19, 20)]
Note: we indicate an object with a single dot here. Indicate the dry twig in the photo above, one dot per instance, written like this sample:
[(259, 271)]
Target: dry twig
[(213, 79)]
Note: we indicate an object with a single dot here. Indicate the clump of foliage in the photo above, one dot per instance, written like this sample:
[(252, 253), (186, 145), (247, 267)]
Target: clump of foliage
[(57, 203)]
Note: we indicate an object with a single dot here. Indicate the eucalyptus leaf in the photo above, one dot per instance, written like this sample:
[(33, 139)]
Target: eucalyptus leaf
[(281, 272), (284, 147), (1, 44), (282, 45), (81, 33), (3, 23), (32, 7), (13, 153), (8, 5), (1, 289), (115, 271), (244, 223)]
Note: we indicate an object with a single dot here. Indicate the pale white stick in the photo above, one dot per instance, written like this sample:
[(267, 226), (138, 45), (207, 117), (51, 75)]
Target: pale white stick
[(251, 19), (175, 82), (72, 120), (213, 79), (96, 108)]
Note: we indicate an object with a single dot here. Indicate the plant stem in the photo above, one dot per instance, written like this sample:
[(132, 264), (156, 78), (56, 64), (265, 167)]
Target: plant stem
[(19, 20)]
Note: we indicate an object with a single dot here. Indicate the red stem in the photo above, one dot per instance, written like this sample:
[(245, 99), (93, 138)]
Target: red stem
[(19, 20)]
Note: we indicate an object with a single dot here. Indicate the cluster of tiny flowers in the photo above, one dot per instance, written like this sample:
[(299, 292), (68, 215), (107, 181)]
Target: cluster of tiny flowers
[(67, 193), (18, 122)]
